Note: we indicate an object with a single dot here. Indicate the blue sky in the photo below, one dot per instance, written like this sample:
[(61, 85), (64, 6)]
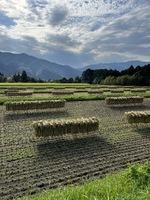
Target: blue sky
[(77, 32)]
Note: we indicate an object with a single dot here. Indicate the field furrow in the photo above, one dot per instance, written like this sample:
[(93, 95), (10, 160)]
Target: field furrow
[(29, 164)]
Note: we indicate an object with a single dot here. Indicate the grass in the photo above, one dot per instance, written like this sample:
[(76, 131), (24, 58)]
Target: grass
[(66, 97), (76, 97), (131, 184)]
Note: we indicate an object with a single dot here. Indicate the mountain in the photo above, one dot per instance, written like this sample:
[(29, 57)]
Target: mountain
[(118, 66), (11, 63), (3, 69)]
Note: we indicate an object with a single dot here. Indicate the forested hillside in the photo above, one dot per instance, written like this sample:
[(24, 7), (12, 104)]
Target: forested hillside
[(131, 76)]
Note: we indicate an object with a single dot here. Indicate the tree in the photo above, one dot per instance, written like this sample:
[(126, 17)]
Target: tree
[(2, 77), (70, 80), (109, 80), (24, 76), (17, 77), (77, 79), (87, 76), (63, 80), (130, 71), (10, 79)]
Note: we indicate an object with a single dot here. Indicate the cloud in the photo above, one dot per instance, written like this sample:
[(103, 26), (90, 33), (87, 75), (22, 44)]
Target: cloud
[(37, 3), (13, 8), (59, 55), (127, 36), (62, 41), (77, 32), (58, 14), (9, 44)]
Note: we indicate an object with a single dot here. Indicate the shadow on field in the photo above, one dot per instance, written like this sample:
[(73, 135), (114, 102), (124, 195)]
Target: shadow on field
[(27, 115), (78, 147), (129, 108), (143, 130)]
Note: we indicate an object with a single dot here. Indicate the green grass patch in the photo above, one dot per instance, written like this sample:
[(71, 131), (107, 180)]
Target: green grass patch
[(146, 95), (67, 98), (85, 97), (76, 97), (140, 174), (131, 184)]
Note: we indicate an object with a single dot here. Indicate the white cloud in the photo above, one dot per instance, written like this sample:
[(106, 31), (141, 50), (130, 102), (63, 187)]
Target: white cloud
[(14, 8)]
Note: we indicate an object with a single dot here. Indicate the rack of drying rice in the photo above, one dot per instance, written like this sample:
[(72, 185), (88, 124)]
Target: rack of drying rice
[(11, 90), (134, 100), (34, 105), (117, 91), (113, 87), (95, 92), (95, 88), (63, 93), (16, 93), (138, 90), (138, 117), (59, 88), (46, 128)]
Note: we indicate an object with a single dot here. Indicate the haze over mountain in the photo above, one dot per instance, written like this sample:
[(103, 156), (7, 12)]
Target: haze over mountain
[(118, 66), (15, 63), (11, 63)]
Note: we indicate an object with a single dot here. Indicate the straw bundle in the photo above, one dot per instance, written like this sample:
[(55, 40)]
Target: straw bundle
[(44, 128)]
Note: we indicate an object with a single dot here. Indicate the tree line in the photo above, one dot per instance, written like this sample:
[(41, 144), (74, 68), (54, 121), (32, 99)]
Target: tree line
[(19, 77), (130, 76)]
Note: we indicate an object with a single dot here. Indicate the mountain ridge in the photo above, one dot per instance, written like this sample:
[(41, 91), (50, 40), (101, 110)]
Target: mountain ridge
[(115, 65), (35, 67), (11, 63)]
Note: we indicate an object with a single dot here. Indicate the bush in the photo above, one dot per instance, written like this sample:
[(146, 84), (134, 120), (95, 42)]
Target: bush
[(140, 174)]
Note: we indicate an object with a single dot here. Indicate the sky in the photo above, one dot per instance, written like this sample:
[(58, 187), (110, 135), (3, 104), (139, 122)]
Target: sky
[(77, 32)]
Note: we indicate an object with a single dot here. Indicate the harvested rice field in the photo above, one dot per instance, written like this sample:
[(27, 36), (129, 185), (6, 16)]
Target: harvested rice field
[(30, 165)]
